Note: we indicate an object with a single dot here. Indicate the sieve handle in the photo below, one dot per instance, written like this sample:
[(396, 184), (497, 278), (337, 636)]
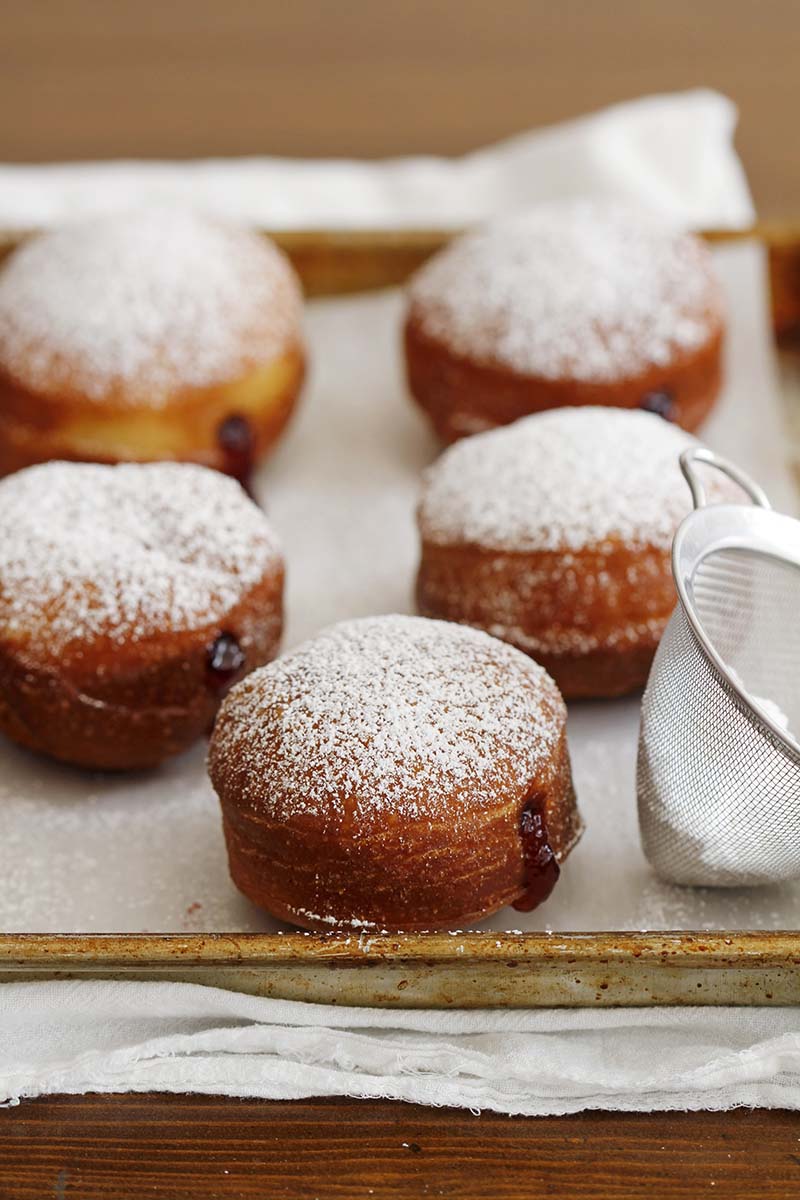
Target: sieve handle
[(700, 454)]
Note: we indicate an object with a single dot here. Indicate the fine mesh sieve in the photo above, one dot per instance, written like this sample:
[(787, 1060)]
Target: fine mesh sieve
[(718, 775)]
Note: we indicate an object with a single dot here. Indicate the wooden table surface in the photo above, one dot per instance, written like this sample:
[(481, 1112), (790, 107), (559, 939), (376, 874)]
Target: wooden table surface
[(187, 1148)]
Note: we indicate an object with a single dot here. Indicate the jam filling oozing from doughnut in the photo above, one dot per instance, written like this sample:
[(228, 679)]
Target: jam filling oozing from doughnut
[(224, 661), (237, 443), (541, 865), (661, 403)]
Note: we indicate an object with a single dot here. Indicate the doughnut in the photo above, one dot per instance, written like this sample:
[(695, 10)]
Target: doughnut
[(157, 334), (395, 773), (131, 597), (554, 534), (584, 303)]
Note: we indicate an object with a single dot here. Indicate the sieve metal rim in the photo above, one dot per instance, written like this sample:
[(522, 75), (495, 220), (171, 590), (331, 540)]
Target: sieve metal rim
[(761, 525)]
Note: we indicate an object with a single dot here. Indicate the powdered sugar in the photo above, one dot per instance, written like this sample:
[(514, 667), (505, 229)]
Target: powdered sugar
[(388, 714), (131, 852), (586, 291), (124, 552), (335, 922), (561, 480), (128, 307)]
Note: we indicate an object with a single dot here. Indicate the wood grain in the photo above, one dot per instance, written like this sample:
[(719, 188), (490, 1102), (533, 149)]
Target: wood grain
[(198, 77), (176, 1148)]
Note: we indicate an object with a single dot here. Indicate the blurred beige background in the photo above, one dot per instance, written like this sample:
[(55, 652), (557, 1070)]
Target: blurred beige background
[(182, 78)]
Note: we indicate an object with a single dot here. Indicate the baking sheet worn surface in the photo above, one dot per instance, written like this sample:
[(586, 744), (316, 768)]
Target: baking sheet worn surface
[(83, 853)]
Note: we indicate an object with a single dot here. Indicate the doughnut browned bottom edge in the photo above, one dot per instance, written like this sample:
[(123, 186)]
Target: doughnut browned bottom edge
[(280, 868), (463, 397)]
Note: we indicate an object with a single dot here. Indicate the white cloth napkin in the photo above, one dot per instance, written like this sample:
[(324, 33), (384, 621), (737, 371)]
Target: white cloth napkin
[(109, 1037), (674, 155)]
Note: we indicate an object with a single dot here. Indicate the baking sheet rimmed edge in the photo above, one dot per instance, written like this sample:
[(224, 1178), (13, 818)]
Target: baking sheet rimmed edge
[(432, 970), (335, 262)]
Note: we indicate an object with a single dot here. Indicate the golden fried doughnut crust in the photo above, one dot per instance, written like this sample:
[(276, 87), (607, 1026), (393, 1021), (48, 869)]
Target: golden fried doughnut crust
[(584, 304), (130, 598), (383, 775), (157, 334), (554, 534)]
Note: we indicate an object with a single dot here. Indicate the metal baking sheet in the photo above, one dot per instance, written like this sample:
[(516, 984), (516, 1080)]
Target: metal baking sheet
[(459, 970), (84, 853)]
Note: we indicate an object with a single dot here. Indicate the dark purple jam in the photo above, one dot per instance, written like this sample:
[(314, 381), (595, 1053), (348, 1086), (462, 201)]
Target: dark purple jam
[(541, 865), (225, 659), (661, 403), (236, 441)]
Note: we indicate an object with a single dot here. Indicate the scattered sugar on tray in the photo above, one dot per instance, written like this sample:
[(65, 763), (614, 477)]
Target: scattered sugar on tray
[(125, 551), (389, 713), (100, 835), (664, 906), (588, 290), (137, 303), (565, 479)]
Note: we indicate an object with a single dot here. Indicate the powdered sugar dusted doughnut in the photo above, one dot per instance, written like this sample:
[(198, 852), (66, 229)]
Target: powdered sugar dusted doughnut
[(130, 598), (137, 335), (394, 773), (554, 534), (583, 303)]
